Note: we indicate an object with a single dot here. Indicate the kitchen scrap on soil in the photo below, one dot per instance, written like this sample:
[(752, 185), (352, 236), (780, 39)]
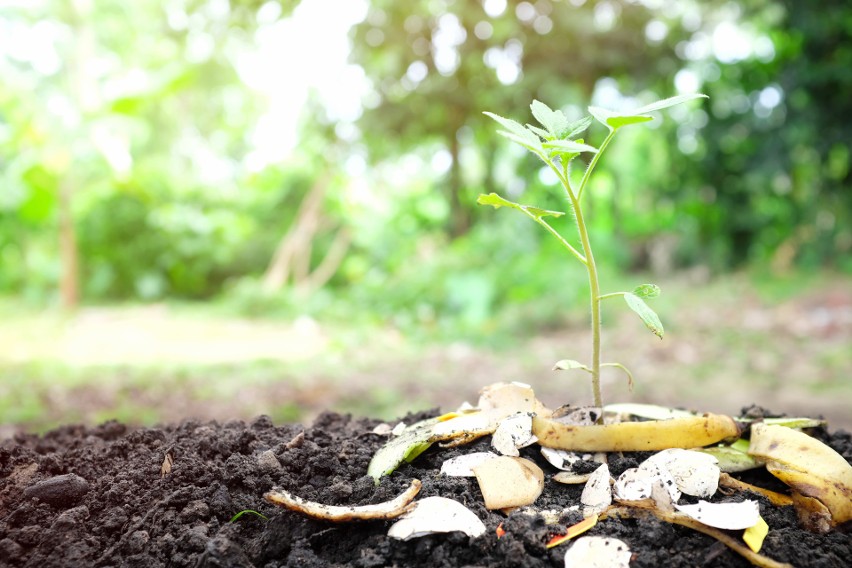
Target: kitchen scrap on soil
[(80, 496)]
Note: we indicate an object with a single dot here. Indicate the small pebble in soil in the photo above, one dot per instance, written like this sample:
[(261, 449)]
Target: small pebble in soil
[(60, 491)]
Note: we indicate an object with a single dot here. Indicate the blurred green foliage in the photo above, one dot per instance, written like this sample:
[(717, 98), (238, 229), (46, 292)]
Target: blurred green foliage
[(139, 113)]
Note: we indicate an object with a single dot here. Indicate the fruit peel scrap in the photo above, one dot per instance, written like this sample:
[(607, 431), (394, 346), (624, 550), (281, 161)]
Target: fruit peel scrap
[(339, 514), (813, 471)]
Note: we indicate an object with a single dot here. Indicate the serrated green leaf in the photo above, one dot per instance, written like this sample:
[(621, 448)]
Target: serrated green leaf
[(576, 128), (669, 102), (570, 146), (648, 316), (554, 121), (540, 131), (515, 128), (647, 291), (526, 142), (568, 364), (615, 120), (496, 201)]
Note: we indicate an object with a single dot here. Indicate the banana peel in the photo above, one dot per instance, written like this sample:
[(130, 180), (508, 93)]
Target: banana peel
[(820, 478), (652, 435)]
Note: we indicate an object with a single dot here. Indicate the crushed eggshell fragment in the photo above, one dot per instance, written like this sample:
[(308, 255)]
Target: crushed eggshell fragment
[(636, 484), (728, 516), (509, 482), (499, 400), (462, 466), (598, 552), (560, 459), (597, 494), (436, 515), (570, 478), (383, 429), (695, 473), (577, 415), (513, 432)]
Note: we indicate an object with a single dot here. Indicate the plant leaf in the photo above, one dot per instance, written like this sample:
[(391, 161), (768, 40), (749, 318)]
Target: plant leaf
[(554, 121), (577, 127), (516, 132), (647, 291), (570, 146), (496, 201), (615, 120), (669, 102), (540, 131), (568, 364), (649, 317)]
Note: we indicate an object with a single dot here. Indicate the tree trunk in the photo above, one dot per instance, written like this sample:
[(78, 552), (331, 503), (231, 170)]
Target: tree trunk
[(459, 212), (69, 266)]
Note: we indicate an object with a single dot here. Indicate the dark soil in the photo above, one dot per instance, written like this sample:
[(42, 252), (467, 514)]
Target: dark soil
[(82, 496)]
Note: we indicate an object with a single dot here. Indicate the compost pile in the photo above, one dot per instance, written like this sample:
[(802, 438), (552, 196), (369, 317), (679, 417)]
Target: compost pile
[(166, 496)]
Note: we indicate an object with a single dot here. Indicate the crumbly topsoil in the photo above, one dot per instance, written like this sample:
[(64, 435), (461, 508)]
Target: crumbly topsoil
[(82, 496)]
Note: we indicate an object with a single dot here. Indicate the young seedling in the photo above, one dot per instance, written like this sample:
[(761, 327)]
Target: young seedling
[(556, 142)]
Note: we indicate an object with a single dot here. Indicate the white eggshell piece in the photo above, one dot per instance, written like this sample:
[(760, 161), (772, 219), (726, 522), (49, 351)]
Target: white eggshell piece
[(636, 484), (660, 472), (728, 516), (383, 429), (436, 515), (598, 552), (461, 466), (597, 494), (570, 478), (513, 432), (509, 482), (695, 473), (560, 459)]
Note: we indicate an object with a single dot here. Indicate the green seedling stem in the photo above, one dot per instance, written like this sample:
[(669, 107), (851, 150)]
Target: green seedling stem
[(556, 144)]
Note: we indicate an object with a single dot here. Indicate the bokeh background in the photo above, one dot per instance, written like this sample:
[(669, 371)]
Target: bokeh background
[(222, 208)]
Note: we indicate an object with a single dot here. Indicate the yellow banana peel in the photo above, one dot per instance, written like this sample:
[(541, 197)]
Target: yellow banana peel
[(686, 432), (813, 471)]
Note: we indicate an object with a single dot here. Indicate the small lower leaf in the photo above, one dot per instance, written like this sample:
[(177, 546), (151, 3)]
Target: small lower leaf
[(496, 202), (649, 317), (647, 290)]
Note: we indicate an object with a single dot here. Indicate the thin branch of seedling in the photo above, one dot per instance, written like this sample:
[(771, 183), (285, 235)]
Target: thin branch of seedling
[(557, 144)]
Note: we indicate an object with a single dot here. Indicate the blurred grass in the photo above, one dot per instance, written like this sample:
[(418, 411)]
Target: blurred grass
[(731, 341)]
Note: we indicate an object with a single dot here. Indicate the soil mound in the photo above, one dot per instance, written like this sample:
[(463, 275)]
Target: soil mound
[(104, 496)]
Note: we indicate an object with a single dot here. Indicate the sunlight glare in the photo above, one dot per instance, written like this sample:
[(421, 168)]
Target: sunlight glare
[(306, 52)]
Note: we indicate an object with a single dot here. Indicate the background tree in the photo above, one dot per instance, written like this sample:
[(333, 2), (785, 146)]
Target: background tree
[(435, 67)]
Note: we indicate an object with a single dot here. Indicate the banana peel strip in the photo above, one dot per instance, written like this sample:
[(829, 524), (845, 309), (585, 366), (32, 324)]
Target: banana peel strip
[(683, 520), (684, 432), (812, 469), (777, 499), (572, 531), (417, 438), (341, 514)]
